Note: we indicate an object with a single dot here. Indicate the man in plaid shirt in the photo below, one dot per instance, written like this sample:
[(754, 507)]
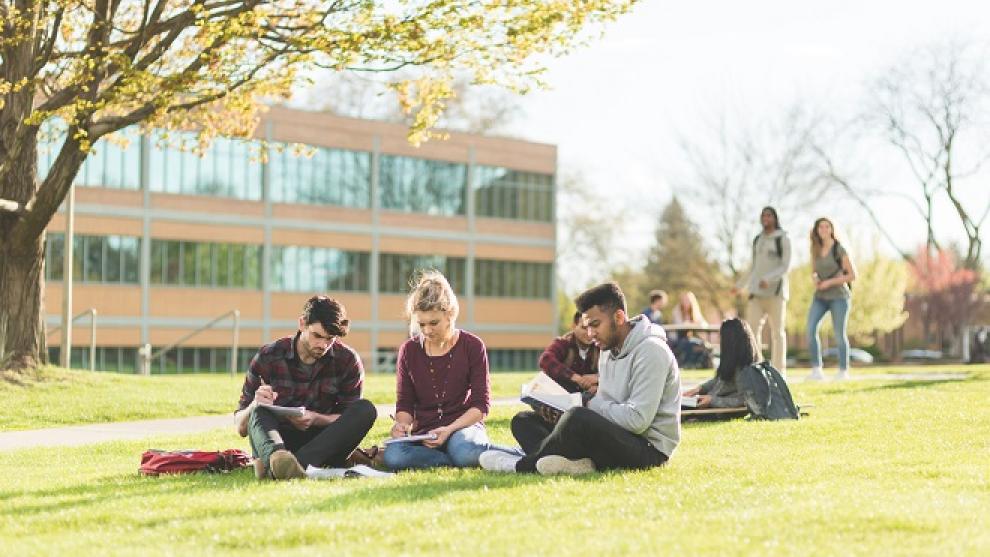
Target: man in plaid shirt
[(315, 370)]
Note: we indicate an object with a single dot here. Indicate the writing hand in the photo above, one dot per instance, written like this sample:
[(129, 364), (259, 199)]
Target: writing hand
[(265, 394)]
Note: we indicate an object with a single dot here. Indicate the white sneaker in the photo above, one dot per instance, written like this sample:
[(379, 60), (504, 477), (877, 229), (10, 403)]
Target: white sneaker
[(499, 461), (554, 464), (843, 375), (816, 374)]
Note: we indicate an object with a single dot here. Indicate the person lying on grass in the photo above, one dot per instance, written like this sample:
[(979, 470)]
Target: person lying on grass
[(633, 421), (442, 385), (315, 370), (739, 350)]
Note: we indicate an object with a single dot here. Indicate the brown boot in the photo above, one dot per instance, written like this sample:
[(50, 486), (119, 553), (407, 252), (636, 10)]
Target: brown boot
[(260, 470), (284, 466), (372, 456)]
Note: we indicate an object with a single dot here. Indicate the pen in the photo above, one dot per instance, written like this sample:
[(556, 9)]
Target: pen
[(408, 428)]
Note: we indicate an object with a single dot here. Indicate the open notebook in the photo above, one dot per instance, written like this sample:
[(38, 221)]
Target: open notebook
[(544, 391), (359, 471)]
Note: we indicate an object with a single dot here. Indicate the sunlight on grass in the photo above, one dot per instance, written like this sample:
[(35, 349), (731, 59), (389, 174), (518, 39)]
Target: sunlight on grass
[(880, 467)]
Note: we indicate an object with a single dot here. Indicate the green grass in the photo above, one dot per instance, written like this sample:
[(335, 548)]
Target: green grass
[(56, 397), (880, 467)]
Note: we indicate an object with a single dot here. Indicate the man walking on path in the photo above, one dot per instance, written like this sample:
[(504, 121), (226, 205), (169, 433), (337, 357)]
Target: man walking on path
[(766, 283), (315, 370)]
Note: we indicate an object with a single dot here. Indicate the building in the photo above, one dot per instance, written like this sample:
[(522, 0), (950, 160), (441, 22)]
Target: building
[(166, 240)]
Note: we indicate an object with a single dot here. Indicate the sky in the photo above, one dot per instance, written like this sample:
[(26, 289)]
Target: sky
[(617, 106)]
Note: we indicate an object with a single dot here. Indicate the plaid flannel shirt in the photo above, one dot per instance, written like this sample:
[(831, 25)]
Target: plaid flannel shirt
[(333, 385)]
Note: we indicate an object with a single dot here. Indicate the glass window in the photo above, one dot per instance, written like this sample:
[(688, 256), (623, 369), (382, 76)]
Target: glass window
[(228, 168), (423, 186), (325, 176), (397, 271), (316, 269), (515, 279), (513, 194)]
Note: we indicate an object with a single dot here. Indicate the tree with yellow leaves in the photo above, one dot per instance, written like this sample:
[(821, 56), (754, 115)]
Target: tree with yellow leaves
[(84, 69)]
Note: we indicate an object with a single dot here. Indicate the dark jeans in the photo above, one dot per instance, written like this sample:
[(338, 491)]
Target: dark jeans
[(319, 446), (530, 430), (583, 433)]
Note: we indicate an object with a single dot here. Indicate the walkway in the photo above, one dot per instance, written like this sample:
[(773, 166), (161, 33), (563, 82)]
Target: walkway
[(117, 431)]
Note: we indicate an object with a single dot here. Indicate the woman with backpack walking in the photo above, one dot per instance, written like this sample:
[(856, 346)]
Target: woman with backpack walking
[(832, 272)]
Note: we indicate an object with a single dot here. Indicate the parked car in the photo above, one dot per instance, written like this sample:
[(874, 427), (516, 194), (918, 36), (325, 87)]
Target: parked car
[(855, 354), (927, 355)]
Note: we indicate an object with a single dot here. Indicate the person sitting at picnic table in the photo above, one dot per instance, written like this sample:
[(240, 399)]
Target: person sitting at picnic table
[(689, 350), (739, 350), (442, 385)]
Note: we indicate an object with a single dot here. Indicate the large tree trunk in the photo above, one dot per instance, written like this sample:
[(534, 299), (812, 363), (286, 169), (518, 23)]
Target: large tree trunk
[(21, 289)]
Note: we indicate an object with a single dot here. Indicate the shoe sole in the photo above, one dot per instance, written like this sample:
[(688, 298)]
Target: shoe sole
[(551, 465), (284, 466), (490, 462)]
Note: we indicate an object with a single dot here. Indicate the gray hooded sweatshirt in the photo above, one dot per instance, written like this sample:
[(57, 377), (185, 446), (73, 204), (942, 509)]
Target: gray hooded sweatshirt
[(639, 389), (768, 265)]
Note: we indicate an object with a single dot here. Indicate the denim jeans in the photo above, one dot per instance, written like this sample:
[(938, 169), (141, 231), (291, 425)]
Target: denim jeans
[(462, 450), (840, 318)]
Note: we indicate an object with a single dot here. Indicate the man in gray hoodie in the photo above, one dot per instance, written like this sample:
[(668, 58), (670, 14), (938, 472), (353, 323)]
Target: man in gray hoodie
[(766, 284), (634, 419)]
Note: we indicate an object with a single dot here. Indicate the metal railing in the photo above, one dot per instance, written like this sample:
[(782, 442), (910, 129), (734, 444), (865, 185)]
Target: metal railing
[(91, 312), (146, 356)]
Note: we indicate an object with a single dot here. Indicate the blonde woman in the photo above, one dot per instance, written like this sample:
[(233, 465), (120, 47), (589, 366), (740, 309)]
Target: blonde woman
[(442, 385), (832, 274), (689, 350)]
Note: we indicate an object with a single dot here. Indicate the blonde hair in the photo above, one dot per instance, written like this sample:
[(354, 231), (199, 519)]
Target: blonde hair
[(431, 292), (694, 312)]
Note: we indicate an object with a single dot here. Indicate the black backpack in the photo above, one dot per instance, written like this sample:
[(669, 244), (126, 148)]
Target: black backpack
[(765, 393)]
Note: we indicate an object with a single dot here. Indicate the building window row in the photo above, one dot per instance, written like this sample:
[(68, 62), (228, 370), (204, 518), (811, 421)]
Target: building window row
[(116, 259), (205, 264), (95, 259), (233, 168), (513, 359)]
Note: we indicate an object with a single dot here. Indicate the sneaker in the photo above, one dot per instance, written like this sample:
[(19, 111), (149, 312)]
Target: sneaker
[(816, 374), (843, 375), (554, 464), (284, 466), (260, 471), (499, 461)]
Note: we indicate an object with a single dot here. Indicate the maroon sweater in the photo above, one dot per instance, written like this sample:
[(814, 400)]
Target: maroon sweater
[(562, 359), (459, 381)]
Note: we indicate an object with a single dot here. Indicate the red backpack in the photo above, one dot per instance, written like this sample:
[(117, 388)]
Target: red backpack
[(156, 461)]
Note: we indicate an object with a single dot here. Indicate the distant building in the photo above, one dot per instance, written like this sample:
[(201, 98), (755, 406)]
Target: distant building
[(166, 240)]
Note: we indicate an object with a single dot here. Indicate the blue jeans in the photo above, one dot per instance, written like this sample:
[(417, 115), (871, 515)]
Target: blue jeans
[(462, 450), (840, 318)]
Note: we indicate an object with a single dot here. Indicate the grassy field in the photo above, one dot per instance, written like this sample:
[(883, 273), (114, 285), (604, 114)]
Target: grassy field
[(880, 467), (55, 397)]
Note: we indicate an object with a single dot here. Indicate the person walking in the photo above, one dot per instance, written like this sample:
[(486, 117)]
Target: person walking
[(766, 283), (832, 272)]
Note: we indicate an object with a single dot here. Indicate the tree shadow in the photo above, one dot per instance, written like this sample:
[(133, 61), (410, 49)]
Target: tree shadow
[(899, 385)]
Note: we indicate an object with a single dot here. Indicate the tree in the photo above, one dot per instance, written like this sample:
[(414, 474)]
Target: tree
[(478, 109), (92, 68), (735, 168), (944, 295), (931, 109), (678, 262), (586, 234)]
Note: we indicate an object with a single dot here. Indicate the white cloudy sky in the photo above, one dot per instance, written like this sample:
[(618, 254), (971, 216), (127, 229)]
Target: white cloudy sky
[(617, 106)]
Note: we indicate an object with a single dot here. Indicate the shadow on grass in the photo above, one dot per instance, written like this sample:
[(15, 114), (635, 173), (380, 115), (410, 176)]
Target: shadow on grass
[(898, 385)]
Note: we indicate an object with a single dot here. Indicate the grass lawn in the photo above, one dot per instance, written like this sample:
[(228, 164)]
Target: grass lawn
[(888, 467), (56, 397)]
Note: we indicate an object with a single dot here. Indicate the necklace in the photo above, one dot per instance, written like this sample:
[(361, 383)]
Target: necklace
[(441, 394)]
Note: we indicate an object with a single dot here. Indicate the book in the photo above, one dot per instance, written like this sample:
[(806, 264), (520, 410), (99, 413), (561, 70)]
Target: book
[(412, 438), (285, 411), (689, 401), (358, 471), (542, 391)]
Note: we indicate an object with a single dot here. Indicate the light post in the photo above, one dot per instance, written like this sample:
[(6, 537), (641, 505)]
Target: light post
[(70, 214)]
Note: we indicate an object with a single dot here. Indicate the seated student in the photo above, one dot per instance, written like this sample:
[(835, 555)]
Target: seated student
[(633, 421), (689, 350), (739, 350), (654, 311), (572, 361), (314, 369), (442, 385)]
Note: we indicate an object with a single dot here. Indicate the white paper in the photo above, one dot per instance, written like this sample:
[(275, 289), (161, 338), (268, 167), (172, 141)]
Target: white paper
[(359, 471)]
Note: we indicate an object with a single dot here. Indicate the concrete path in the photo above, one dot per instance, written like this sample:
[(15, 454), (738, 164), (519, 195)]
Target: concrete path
[(98, 433)]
